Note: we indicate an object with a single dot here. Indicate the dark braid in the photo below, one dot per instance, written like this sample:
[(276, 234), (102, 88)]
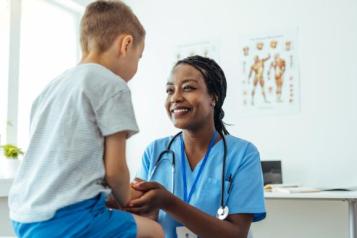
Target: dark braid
[(216, 85)]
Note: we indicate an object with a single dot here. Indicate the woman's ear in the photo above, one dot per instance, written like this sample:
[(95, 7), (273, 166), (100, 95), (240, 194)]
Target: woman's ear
[(214, 100), (213, 103)]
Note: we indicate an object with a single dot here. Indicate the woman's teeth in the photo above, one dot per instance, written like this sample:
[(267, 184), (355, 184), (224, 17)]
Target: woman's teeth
[(180, 110)]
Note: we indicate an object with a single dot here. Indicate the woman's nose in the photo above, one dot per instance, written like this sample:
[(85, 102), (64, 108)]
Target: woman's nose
[(176, 96)]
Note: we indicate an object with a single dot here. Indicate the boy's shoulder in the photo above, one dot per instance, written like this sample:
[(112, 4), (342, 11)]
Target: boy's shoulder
[(96, 72), (93, 81), (96, 80)]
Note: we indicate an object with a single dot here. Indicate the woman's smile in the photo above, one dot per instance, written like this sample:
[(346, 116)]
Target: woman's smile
[(180, 111)]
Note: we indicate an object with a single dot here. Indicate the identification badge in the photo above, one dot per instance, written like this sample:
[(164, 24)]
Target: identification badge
[(183, 232)]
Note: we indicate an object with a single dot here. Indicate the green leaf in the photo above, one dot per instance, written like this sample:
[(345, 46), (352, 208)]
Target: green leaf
[(11, 151)]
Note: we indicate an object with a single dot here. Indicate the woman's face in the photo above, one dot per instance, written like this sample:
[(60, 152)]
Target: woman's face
[(188, 103)]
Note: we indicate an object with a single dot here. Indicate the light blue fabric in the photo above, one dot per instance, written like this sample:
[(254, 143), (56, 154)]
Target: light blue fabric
[(88, 219), (243, 163), (70, 119)]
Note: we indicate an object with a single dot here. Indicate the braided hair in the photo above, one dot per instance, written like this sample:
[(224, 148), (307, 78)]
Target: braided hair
[(216, 84)]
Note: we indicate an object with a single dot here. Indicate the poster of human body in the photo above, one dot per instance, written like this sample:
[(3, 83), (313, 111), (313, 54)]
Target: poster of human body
[(269, 80)]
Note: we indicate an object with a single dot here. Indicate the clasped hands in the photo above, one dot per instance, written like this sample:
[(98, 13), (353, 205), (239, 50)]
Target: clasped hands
[(146, 198)]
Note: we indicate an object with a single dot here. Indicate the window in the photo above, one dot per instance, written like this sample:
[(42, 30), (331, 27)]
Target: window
[(49, 45), (4, 64)]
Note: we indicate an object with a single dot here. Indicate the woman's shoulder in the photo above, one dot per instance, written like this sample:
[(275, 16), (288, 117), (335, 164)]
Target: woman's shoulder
[(160, 142), (240, 143), (238, 140), (241, 152)]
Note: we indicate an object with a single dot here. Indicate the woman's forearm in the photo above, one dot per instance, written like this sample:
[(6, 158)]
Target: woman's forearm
[(206, 226), (202, 224)]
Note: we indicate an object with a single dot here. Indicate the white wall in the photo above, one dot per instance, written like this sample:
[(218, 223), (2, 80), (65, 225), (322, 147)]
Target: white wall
[(317, 144)]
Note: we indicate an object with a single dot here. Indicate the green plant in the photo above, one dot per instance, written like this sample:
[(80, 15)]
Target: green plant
[(11, 151)]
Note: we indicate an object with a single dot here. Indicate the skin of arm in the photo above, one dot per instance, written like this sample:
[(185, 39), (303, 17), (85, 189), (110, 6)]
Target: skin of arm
[(116, 169), (202, 224), (112, 202)]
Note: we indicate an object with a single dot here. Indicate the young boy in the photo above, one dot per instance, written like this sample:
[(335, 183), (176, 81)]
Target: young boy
[(79, 125)]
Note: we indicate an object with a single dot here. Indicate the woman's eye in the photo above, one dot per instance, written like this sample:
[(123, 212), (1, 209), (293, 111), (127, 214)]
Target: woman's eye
[(188, 88), (169, 90)]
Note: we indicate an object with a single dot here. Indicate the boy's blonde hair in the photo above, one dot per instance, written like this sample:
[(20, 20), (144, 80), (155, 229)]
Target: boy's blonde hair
[(103, 21)]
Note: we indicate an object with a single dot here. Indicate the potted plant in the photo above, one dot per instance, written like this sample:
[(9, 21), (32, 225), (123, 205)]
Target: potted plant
[(11, 151), (10, 160)]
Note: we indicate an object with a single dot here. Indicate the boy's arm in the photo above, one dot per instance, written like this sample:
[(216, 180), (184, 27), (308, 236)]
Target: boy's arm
[(116, 169), (134, 194)]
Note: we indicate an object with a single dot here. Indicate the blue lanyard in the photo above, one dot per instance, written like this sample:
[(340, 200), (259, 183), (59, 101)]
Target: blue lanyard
[(183, 165)]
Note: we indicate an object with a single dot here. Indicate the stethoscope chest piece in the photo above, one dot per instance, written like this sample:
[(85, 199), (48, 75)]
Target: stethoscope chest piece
[(222, 213)]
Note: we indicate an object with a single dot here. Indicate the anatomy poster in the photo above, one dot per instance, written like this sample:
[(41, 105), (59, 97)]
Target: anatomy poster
[(268, 77)]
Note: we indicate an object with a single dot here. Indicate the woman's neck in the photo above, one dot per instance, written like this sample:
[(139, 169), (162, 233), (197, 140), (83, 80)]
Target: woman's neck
[(197, 139), (196, 144)]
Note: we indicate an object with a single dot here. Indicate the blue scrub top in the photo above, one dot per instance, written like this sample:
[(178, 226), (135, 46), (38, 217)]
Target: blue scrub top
[(243, 165)]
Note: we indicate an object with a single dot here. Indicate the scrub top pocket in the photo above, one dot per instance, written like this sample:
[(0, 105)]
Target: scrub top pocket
[(208, 197)]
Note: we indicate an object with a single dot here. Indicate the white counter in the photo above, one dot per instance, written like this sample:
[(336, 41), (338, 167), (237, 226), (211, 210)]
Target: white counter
[(349, 196), (333, 195)]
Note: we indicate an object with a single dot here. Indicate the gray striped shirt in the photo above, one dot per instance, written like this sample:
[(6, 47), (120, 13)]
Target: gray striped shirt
[(64, 161)]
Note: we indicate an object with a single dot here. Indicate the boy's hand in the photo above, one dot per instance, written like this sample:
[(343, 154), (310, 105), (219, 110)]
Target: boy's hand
[(134, 194)]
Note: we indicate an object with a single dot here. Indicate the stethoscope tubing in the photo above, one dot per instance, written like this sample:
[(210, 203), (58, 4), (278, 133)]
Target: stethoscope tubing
[(173, 162), (173, 167)]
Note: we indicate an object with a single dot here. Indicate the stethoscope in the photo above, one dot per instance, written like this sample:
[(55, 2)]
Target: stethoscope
[(223, 210)]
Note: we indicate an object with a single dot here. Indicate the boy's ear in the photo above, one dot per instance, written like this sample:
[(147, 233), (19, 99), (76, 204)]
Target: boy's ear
[(125, 42)]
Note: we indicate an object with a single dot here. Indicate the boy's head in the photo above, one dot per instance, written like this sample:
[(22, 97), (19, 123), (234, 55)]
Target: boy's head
[(110, 28)]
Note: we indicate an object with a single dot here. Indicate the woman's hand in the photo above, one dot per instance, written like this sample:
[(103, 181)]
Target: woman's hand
[(134, 194), (155, 197)]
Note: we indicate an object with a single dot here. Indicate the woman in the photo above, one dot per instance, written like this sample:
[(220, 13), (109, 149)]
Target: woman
[(189, 196)]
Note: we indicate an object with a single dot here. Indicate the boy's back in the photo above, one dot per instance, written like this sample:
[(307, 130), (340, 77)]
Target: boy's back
[(79, 127), (64, 163)]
